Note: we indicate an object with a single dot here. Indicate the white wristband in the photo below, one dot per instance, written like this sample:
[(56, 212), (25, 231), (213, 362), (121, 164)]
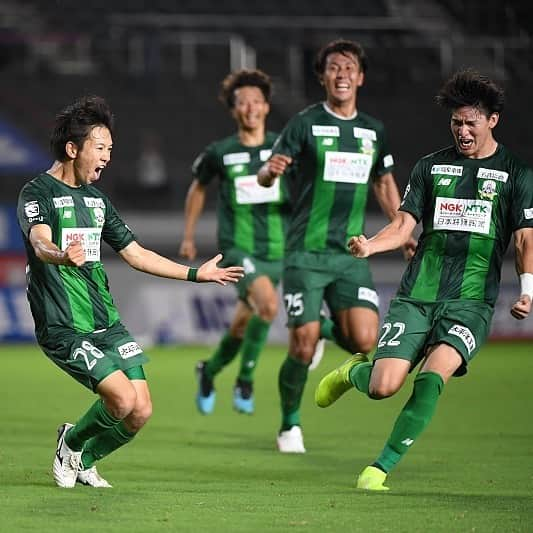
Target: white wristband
[(526, 284)]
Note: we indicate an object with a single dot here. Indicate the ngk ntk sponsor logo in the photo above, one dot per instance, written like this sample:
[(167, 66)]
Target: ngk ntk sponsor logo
[(459, 214)]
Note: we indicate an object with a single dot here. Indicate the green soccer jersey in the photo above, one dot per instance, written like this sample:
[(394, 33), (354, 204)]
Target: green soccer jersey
[(250, 217), (62, 296), (334, 159), (469, 208)]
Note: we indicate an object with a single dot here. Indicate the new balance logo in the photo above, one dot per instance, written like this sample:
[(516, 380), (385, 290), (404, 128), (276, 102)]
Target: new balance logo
[(407, 442)]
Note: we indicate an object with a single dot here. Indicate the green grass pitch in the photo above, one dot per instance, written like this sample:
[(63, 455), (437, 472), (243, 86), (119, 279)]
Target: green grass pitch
[(472, 470)]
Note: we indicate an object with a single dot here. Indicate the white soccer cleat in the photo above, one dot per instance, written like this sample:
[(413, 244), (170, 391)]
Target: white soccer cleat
[(319, 353), (92, 478), (291, 440), (66, 462)]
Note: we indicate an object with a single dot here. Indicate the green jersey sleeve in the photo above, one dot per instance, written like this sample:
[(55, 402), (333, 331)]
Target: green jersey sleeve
[(522, 212), (115, 232), (291, 140), (384, 161), (414, 197), (33, 208), (205, 167)]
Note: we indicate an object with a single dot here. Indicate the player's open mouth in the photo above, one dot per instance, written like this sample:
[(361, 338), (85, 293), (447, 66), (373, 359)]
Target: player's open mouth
[(465, 144), (98, 171), (342, 87)]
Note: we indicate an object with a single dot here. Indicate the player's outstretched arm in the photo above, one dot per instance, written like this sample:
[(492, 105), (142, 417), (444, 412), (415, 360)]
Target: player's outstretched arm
[(209, 271), (523, 239), (388, 197), (392, 236), (194, 205), (152, 263), (272, 169)]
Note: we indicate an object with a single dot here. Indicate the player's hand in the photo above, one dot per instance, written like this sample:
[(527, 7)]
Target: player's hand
[(277, 165), (210, 272), (359, 246), (188, 249), (73, 255), (522, 307), (409, 248)]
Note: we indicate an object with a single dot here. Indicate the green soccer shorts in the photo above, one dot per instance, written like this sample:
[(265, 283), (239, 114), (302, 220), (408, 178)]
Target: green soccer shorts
[(253, 269), (411, 326), (91, 357), (309, 278)]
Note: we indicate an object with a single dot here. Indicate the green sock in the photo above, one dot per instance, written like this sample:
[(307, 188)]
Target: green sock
[(254, 339), (291, 382), (360, 377), (413, 419), (96, 420), (105, 443), (226, 351), (330, 330)]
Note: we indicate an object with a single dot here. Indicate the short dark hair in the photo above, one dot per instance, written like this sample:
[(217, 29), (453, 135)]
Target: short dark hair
[(341, 46), (470, 88), (75, 122), (244, 78)]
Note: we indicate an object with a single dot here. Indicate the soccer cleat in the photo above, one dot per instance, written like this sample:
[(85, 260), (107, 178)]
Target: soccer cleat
[(66, 462), (243, 397), (205, 397), (92, 478), (372, 478), (291, 440), (333, 385), (319, 353)]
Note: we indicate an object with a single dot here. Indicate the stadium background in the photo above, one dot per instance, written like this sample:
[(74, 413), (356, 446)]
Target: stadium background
[(160, 63)]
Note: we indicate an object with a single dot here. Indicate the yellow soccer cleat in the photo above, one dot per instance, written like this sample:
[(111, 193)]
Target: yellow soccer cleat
[(333, 385), (372, 478)]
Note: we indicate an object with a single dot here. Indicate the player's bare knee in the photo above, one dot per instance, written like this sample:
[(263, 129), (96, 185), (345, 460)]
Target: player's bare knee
[(268, 310), (381, 391), (120, 405), (140, 415), (364, 344)]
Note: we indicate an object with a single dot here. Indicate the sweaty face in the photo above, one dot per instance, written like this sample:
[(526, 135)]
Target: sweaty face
[(93, 156), (250, 108), (342, 77), (472, 131)]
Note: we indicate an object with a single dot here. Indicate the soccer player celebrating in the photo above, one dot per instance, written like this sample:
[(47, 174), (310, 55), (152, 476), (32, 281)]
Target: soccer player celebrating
[(63, 219), (251, 232), (470, 198), (336, 152)]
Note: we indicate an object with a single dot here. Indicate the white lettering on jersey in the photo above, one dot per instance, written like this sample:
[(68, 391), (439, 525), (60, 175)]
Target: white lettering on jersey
[(31, 209), (444, 181), (347, 167), (264, 154), (94, 202), (63, 201), (370, 295), (129, 350), (238, 158), (325, 131), (248, 191), (388, 161), (528, 213), (489, 174), (364, 133), (465, 335), (449, 170), (460, 214)]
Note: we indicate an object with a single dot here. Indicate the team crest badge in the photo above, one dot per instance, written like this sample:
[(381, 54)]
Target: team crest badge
[(488, 190)]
